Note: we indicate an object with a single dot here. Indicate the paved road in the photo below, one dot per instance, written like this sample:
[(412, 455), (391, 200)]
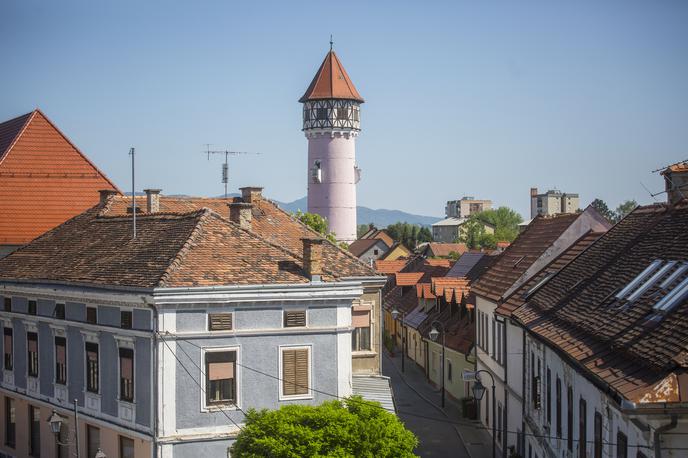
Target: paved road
[(437, 437)]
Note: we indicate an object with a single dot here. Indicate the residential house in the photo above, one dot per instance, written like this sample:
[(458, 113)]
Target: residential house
[(450, 229), (496, 335), (465, 207), (397, 251), (552, 202), (372, 245), (442, 250), (44, 179), (163, 340), (604, 348)]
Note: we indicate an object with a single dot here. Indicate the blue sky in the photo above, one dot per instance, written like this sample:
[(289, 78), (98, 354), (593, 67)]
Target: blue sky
[(477, 98)]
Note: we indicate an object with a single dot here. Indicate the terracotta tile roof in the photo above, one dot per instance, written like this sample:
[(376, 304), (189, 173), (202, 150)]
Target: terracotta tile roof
[(679, 167), (331, 82), (625, 346), (390, 267), (439, 262), (408, 278), (445, 249), (268, 220), (519, 256), (44, 178), (424, 291), (503, 244)]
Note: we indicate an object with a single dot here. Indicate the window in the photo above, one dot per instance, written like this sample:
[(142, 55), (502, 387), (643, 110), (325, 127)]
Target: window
[(125, 319), (449, 370), (294, 318), (569, 418), (8, 304), (34, 431), (583, 428), (126, 447), (376, 251), (493, 353), (92, 315), (321, 113), (220, 377), (342, 113), (621, 445), (32, 307), (61, 360), (597, 453), (92, 440), (32, 348), (559, 408), (549, 396), (7, 348), (126, 374), (92, 368), (356, 114), (295, 372), (59, 311), (220, 322), (10, 423), (360, 337)]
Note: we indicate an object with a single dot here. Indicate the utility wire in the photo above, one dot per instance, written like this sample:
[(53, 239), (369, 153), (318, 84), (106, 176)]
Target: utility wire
[(442, 420)]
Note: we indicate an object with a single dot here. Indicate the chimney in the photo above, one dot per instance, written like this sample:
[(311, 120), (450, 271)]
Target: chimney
[(533, 192), (105, 195), (152, 200), (251, 194), (676, 182), (312, 258), (240, 213)]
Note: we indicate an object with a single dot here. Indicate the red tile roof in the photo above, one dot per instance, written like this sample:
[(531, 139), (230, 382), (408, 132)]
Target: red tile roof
[(439, 262), (624, 346), (408, 278), (389, 267), (331, 82), (44, 178), (446, 249), (521, 254), (360, 246)]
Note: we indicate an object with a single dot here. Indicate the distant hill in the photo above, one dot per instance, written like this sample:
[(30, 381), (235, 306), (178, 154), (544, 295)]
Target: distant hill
[(364, 215)]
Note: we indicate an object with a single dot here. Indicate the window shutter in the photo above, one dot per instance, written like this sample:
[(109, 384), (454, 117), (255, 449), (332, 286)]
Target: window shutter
[(220, 321), (295, 372), (294, 318), (302, 371), (360, 319)]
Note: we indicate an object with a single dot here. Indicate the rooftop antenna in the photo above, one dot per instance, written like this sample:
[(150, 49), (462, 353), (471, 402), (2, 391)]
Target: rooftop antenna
[(133, 187), (225, 165), (666, 177)]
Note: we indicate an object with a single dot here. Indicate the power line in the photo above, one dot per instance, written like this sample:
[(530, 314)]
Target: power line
[(453, 422)]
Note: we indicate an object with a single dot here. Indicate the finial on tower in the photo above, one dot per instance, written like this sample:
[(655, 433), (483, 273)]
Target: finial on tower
[(331, 42)]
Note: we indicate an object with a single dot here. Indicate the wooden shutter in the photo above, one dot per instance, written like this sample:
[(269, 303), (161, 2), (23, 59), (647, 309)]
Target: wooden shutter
[(294, 318), (220, 321), (295, 372)]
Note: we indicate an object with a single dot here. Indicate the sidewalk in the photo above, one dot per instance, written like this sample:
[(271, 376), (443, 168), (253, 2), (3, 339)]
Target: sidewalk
[(476, 440)]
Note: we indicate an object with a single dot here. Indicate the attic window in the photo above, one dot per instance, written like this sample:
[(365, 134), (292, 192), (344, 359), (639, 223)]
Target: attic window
[(674, 297), (649, 270), (220, 322), (294, 318), (539, 285)]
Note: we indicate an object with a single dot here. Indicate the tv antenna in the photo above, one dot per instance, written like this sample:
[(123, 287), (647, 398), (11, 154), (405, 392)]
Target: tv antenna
[(225, 165)]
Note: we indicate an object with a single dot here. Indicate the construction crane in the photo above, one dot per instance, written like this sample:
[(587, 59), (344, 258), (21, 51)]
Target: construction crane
[(225, 166)]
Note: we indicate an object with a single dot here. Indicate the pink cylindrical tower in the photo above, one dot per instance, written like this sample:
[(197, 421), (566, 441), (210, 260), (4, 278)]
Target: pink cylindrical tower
[(331, 123)]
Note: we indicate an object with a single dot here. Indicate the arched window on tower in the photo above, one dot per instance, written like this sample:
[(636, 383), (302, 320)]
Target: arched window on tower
[(316, 172)]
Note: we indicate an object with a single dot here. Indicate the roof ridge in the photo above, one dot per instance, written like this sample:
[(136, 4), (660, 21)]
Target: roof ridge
[(29, 116), (174, 264)]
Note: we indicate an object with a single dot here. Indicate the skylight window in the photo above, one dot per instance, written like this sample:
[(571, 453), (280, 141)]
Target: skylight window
[(674, 276), (538, 285), (649, 270), (673, 298), (652, 280)]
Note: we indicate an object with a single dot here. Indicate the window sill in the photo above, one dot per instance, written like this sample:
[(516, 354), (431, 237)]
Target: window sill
[(61, 393), (32, 384), (219, 407), (300, 397), (127, 410), (8, 377), (363, 354), (92, 401)]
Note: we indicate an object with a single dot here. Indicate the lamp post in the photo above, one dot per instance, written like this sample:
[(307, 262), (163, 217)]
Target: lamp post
[(395, 315), (55, 422), (478, 392), (434, 333)]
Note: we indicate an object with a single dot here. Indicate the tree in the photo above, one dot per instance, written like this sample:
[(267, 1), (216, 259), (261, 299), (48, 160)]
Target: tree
[(409, 235), (319, 225), (362, 229), (349, 428), (624, 209), (601, 206), (504, 220)]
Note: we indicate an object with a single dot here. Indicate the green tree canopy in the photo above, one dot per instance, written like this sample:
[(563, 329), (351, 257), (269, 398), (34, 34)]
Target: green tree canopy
[(624, 209), (352, 428), (601, 206), (409, 235), (503, 219), (319, 225)]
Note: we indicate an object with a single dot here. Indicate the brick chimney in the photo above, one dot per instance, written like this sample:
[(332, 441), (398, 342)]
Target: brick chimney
[(241, 214), (152, 200), (105, 195), (312, 258), (676, 182), (533, 192), (251, 194)]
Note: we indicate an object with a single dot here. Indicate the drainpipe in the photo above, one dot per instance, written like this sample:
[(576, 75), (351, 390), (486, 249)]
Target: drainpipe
[(658, 433), (521, 440), (156, 388)]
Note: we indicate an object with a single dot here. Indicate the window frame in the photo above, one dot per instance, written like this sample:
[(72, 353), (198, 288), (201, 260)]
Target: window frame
[(95, 309), (122, 322), (34, 430), (7, 304), (205, 407), (4, 349), (33, 311), (582, 427), (29, 372), (209, 322), (120, 397), (621, 437), (89, 432), (560, 425), (60, 309), (291, 310), (598, 432), (86, 368), (569, 418), (10, 405), (64, 380), (120, 440), (309, 395)]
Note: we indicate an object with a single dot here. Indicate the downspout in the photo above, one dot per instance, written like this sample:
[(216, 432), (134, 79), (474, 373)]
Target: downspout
[(156, 388), (658, 433), (521, 440)]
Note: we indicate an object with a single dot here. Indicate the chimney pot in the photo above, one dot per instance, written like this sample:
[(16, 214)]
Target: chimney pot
[(241, 214), (251, 194), (312, 258), (152, 200), (676, 183), (105, 195)]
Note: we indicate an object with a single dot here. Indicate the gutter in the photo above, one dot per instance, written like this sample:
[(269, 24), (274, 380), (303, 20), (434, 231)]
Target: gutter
[(658, 434)]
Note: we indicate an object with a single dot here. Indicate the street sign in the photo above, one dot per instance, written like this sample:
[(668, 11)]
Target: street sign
[(468, 376)]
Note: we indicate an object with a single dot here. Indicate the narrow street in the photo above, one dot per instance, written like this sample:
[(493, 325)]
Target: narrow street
[(418, 405)]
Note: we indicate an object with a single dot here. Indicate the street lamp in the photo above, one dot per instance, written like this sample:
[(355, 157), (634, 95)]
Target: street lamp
[(478, 393), (434, 334), (395, 315), (55, 422)]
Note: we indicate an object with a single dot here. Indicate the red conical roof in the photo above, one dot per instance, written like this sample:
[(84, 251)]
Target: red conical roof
[(331, 82)]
